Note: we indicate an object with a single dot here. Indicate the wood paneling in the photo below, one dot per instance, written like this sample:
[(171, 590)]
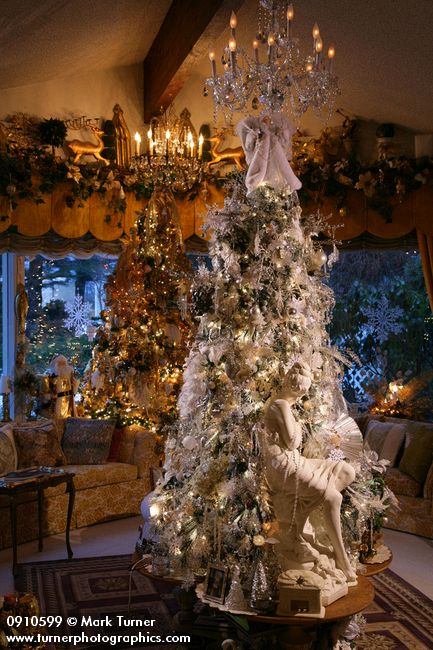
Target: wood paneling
[(99, 218), (423, 209), (5, 214), (65, 221), (353, 222), (105, 223), (133, 206), (33, 219)]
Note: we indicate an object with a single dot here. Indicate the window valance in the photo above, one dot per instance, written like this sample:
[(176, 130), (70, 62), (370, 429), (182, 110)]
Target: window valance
[(95, 223)]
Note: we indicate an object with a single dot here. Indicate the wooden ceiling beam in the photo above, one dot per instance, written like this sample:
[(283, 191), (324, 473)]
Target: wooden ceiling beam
[(189, 29)]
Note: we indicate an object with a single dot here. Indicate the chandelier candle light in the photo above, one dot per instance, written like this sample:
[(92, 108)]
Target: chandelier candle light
[(173, 153), (137, 138), (277, 77)]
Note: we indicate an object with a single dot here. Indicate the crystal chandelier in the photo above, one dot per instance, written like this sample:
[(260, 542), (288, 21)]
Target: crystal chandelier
[(276, 76), (173, 153)]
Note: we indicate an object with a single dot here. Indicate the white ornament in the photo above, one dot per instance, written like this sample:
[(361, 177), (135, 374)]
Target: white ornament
[(97, 380), (138, 389), (336, 454), (78, 316), (383, 319), (297, 305), (190, 443)]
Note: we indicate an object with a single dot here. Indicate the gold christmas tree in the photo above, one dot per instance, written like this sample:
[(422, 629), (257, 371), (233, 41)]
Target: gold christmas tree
[(136, 367)]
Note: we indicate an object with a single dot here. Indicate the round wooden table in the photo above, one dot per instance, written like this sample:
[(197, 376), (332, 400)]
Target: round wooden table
[(373, 569), (253, 629), (356, 600)]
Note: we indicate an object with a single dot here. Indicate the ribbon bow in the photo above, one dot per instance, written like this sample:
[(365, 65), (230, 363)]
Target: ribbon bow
[(267, 142)]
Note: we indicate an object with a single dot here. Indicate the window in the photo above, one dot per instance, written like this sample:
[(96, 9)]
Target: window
[(1, 311), (66, 297), (382, 315)]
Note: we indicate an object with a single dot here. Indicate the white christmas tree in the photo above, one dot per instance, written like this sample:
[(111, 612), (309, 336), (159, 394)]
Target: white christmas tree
[(264, 308)]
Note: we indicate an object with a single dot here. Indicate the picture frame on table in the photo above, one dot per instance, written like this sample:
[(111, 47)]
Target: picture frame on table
[(216, 581)]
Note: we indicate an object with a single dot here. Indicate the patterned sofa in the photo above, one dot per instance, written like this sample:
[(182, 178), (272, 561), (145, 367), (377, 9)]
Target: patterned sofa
[(112, 472), (408, 445)]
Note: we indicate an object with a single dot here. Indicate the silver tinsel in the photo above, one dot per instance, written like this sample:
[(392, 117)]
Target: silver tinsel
[(261, 590), (235, 600)]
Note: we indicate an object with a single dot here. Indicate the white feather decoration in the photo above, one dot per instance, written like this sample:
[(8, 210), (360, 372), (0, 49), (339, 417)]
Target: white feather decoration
[(194, 387), (351, 441)]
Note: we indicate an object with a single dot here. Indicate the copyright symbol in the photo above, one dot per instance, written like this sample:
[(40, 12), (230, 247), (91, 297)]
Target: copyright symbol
[(71, 621)]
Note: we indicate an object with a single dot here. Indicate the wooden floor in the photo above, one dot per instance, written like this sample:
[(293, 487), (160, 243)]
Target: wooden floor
[(412, 556)]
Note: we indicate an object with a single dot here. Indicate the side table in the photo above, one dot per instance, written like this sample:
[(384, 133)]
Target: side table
[(35, 480)]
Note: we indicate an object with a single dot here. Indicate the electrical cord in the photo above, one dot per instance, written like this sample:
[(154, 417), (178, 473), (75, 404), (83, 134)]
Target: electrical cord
[(145, 558)]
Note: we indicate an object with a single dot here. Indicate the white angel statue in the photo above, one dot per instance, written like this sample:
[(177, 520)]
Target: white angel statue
[(298, 484), (267, 142)]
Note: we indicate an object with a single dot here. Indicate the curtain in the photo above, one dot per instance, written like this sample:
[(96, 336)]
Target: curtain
[(367, 241), (425, 244), (54, 246)]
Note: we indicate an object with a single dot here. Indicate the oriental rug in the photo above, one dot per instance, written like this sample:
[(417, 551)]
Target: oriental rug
[(400, 616)]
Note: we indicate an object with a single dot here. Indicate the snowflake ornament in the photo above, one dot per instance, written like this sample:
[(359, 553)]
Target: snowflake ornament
[(78, 316), (383, 319), (336, 454)]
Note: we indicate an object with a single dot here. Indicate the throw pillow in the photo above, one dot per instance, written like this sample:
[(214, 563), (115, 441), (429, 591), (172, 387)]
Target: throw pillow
[(127, 444), (418, 456), (386, 439), (8, 451), (116, 440), (37, 444), (86, 441), (362, 421), (145, 456)]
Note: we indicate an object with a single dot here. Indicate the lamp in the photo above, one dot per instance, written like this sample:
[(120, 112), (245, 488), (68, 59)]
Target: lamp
[(173, 155), (277, 76), (5, 389)]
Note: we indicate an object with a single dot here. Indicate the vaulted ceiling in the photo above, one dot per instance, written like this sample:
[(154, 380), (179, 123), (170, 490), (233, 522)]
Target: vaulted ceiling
[(51, 39), (384, 58)]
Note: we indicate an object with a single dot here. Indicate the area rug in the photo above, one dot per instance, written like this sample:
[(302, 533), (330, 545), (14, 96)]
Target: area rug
[(400, 616), (98, 590)]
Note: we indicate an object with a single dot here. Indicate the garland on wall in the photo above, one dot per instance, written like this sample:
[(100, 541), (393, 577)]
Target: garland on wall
[(33, 165), (36, 158), (329, 167)]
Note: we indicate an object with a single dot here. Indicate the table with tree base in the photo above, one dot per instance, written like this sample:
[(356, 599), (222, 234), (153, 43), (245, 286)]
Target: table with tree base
[(13, 485), (258, 631)]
